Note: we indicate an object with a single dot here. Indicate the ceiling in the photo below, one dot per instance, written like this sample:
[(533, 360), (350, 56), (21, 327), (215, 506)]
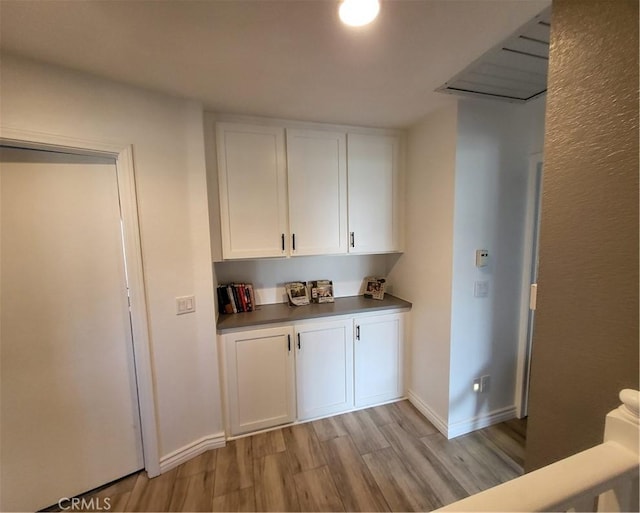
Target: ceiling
[(515, 70), (279, 58)]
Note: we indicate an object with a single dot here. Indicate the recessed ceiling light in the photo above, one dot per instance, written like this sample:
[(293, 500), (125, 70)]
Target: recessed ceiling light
[(357, 13)]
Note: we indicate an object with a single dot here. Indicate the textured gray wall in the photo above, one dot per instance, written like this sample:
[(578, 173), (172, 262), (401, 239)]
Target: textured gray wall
[(585, 345)]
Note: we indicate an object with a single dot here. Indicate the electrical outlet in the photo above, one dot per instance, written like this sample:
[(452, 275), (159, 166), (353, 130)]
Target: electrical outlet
[(485, 381), (477, 384)]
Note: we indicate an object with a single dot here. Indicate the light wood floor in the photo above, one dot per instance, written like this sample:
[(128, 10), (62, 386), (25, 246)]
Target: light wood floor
[(387, 458)]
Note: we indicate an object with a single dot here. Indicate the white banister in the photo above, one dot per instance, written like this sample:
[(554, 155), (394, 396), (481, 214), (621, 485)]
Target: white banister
[(606, 475), (623, 426)]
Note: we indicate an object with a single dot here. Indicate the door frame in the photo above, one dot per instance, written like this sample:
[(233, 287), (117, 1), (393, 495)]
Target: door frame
[(531, 230), (125, 173)]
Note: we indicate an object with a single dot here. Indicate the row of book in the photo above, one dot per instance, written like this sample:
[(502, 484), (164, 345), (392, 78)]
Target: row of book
[(236, 297)]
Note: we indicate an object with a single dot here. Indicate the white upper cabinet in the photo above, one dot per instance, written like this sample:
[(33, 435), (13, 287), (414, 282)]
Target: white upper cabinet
[(317, 172), (306, 191), (374, 193), (252, 177)]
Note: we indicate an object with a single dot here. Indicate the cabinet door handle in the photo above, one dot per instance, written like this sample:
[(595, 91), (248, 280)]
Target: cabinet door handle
[(353, 239), (299, 346), (293, 241), (289, 342), (283, 242), (357, 332)]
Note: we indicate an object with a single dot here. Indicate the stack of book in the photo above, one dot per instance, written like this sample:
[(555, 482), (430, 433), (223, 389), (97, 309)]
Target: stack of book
[(235, 298)]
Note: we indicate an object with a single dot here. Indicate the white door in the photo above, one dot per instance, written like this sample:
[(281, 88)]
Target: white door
[(252, 177), (373, 193), (260, 379), (378, 359), (324, 368), (529, 282), (317, 173), (70, 419)]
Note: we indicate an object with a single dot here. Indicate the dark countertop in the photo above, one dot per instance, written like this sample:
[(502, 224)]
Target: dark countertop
[(282, 312)]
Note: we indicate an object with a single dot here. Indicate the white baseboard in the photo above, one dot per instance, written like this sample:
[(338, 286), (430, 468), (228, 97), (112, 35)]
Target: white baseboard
[(481, 421), (433, 417), (180, 456), (465, 426)]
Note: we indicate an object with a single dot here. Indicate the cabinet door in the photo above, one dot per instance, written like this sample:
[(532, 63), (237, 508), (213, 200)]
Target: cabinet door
[(260, 379), (324, 368), (252, 177), (374, 189), (378, 359), (317, 172)]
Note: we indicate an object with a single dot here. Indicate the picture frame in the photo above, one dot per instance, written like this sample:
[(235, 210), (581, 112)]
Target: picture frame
[(374, 287), (321, 291), (297, 293)]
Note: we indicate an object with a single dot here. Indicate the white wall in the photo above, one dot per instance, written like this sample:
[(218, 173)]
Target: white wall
[(168, 149), (466, 190), (269, 275), (493, 146), (423, 273)]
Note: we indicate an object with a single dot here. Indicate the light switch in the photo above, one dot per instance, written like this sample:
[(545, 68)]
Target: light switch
[(185, 304), (481, 289)]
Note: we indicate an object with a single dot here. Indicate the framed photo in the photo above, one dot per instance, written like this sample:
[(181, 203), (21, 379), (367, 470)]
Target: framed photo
[(297, 293), (374, 287), (321, 291)]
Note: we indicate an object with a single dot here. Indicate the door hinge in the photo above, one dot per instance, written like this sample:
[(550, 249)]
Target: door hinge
[(533, 296)]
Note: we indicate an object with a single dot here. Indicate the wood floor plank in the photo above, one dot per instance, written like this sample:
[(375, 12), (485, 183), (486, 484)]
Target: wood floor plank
[(152, 494), (118, 502), (354, 482), (193, 493), (317, 491), (518, 426), (235, 464), (274, 486), (303, 448), (382, 415), (428, 469), (495, 461), (504, 440), (205, 462), (119, 487), (267, 443), (331, 427), (398, 485), (411, 420), (240, 500), (472, 474), (364, 432)]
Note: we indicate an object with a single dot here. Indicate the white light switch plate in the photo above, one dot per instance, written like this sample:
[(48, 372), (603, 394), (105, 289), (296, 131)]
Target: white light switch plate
[(185, 304), (481, 289)]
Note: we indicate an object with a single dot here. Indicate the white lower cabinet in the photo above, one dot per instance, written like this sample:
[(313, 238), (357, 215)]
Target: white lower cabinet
[(260, 379), (324, 368), (378, 359)]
